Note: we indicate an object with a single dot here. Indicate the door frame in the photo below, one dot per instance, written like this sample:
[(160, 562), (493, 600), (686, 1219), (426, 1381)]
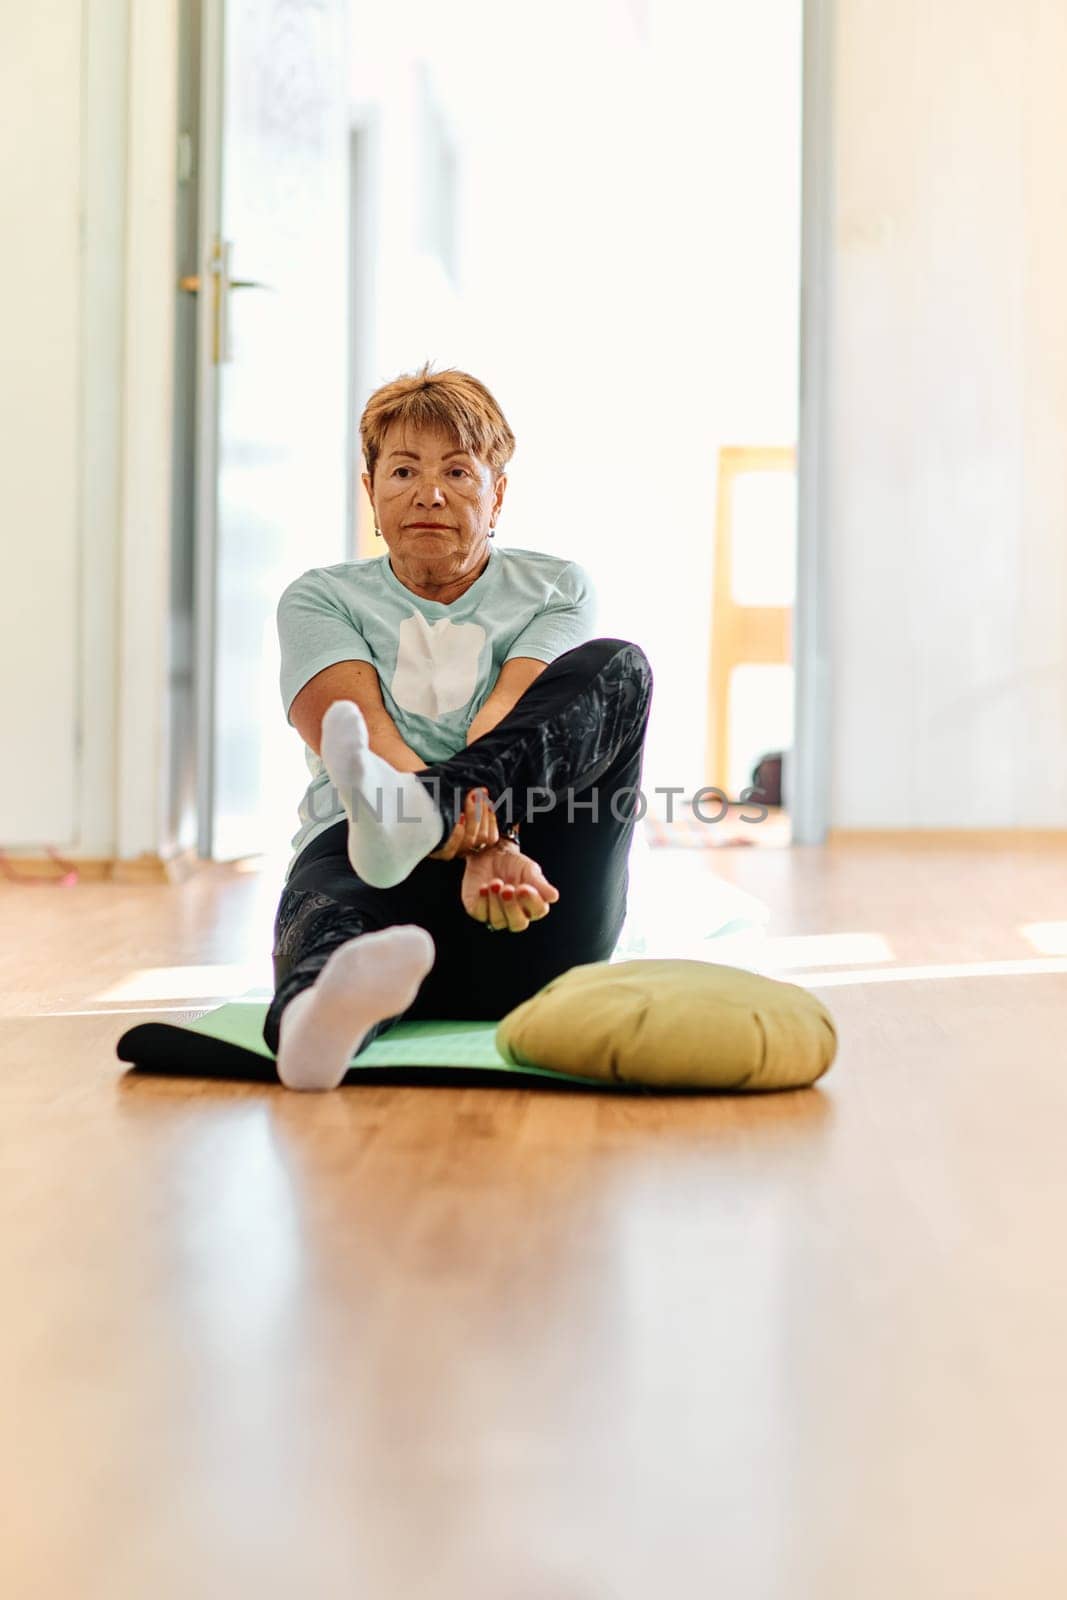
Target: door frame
[(212, 43), (809, 779), (141, 731)]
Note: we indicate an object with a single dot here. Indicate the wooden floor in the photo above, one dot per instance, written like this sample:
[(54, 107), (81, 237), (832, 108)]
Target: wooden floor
[(501, 1345)]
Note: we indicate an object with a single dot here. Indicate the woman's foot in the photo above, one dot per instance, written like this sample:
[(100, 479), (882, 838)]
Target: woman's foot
[(392, 819), (373, 976)]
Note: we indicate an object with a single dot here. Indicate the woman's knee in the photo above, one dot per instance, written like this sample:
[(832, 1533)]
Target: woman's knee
[(605, 646), (596, 654)]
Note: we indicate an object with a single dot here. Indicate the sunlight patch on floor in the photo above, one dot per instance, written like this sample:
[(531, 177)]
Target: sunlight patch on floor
[(184, 983), (936, 970), (785, 952)]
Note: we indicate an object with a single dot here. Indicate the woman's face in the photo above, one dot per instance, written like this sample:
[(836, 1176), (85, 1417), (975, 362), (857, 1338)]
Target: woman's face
[(434, 501)]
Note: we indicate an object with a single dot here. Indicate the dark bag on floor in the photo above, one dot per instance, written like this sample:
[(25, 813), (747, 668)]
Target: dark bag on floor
[(767, 779)]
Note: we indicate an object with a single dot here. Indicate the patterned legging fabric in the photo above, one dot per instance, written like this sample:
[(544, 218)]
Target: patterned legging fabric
[(565, 763)]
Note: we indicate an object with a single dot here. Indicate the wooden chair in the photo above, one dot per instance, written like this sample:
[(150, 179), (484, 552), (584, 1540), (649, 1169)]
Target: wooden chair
[(741, 635)]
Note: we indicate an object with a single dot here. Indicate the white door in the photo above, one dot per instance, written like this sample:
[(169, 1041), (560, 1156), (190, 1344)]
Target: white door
[(272, 398)]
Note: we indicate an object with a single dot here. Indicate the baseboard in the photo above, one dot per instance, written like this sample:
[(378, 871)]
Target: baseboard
[(146, 868), (949, 838), (152, 868)]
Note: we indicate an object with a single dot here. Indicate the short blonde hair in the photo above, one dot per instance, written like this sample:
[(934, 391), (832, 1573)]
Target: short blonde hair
[(450, 401)]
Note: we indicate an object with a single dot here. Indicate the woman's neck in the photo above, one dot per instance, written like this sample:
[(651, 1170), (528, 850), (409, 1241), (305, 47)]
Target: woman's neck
[(420, 579)]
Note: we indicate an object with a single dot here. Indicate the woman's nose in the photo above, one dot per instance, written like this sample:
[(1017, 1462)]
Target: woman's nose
[(430, 493)]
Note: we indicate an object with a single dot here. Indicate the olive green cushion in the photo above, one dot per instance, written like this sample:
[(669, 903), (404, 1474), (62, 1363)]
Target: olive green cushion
[(672, 1024)]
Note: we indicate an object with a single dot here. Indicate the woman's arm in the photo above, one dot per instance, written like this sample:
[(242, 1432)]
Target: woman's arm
[(514, 679), (358, 681)]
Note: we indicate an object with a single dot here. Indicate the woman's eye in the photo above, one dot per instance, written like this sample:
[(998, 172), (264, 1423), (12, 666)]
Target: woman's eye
[(462, 470), (397, 470)]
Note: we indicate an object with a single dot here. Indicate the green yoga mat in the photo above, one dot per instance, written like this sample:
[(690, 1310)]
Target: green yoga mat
[(228, 1043)]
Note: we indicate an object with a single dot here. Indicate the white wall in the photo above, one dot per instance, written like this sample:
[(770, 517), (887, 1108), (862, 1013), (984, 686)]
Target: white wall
[(41, 92), (946, 547), (103, 299), (86, 242)]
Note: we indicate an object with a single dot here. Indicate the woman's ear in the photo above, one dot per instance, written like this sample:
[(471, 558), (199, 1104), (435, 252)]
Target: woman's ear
[(366, 482), (498, 494)]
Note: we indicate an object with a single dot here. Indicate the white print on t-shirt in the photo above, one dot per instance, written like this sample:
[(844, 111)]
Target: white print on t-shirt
[(436, 664)]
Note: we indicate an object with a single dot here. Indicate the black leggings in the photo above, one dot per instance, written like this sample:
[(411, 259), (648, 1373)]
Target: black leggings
[(569, 755)]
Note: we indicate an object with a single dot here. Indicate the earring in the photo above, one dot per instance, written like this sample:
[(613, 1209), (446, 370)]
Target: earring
[(492, 531), (377, 533)]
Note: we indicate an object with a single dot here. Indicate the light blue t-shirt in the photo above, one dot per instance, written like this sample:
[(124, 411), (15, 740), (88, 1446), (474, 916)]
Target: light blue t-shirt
[(436, 663)]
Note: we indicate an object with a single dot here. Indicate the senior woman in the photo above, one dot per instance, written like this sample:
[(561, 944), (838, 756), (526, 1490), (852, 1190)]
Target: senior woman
[(475, 754)]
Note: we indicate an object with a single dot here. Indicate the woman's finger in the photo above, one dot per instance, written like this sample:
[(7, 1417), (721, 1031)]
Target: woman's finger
[(479, 822), (507, 914), (459, 839), (494, 910), (452, 845), (514, 911), (487, 831), (532, 903), (497, 915), (538, 881), (464, 833)]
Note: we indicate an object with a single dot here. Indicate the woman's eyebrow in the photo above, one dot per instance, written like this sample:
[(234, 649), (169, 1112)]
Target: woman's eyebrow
[(413, 456)]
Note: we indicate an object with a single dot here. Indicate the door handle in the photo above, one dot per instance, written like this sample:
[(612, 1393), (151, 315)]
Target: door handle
[(192, 285), (221, 283)]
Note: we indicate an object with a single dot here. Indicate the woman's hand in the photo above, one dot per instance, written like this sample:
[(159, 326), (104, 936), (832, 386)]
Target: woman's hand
[(476, 831), (506, 889)]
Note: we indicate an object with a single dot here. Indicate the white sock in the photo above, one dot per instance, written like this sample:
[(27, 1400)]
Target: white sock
[(392, 819), (372, 976)]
